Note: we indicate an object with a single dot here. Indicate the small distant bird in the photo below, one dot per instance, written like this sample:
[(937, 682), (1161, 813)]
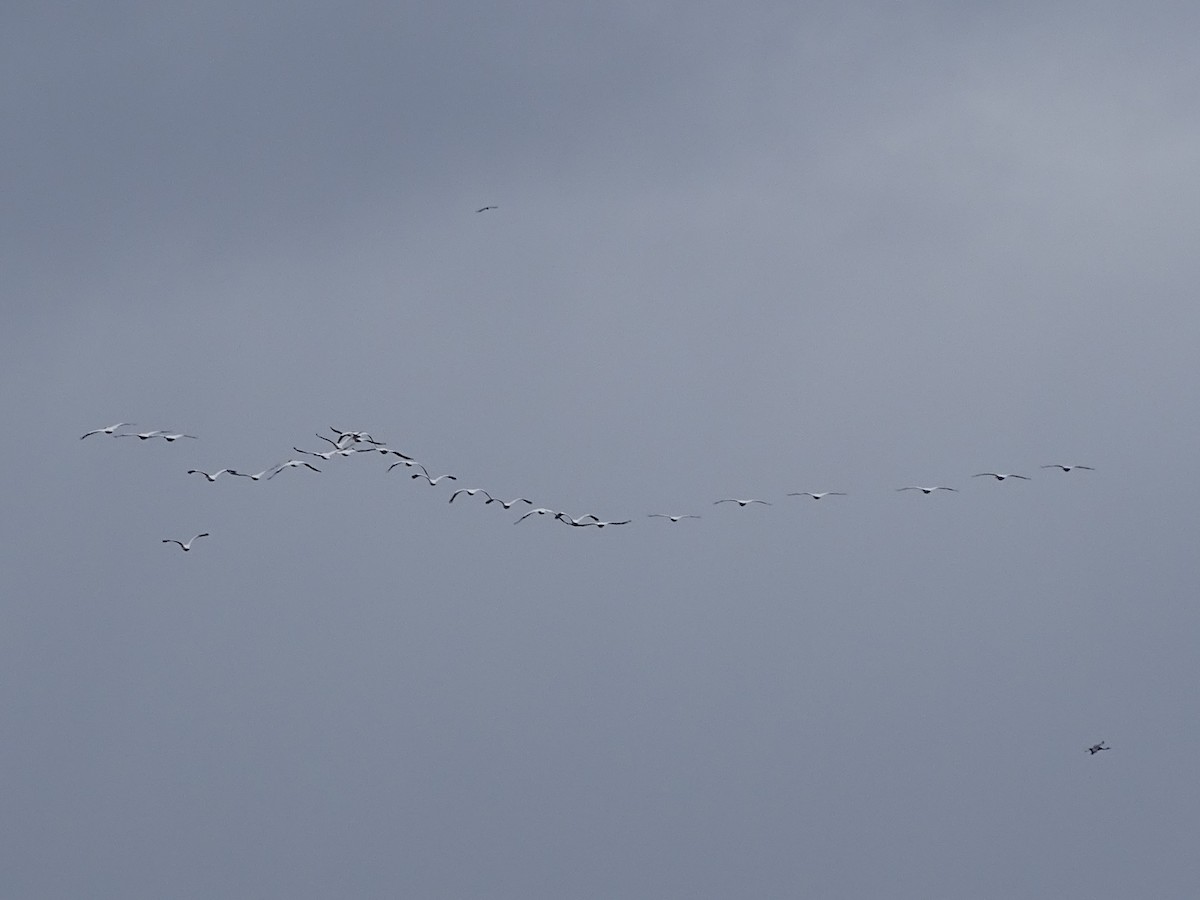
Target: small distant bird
[(110, 429), (188, 546), (540, 511), (434, 481), (145, 435), (292, 464), (486, 208), (1069, 469), (740, 502), (214, 475), (174, 437), (267, 472), (602, 524), (1096, 748), (817, 496), (471, 492), (1000, 476), (408, 462), (507, 504), (926, 490), (672, 518), (579, 521), (355, 436), (328, 454)]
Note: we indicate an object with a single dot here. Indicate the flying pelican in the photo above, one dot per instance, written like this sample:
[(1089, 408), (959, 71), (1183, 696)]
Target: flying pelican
[(507, 504), (672, 518), (329, 454), (602, 524), (471, 492), (110, 429), (926, 490), (486, 208), (1069, 469), (214, 476), (567, 520), (354, 436), (1000, 476), (271, 470), (434, 481), (408, 462), (540, 511), (740, 502), (817, 496), (188, 545), (145, 435), (174, 437), (1096, 748), (292, 464)]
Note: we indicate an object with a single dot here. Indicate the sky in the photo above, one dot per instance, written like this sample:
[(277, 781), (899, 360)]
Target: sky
[(737, 252)]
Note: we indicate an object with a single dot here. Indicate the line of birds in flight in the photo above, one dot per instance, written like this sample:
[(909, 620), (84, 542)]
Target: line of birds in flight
[(350, 443)]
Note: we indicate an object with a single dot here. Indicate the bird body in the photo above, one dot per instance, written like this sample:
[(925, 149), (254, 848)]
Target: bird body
[(434, 481), (817, 496), (740, 502), (486, 208), (144, 435), (169, 438), (188, 545), (507, 504), (927, 490), (672, 518), (292, 464), (1069, 469), (1001, 476), (471, 492), (540, 511), (1096, 748)]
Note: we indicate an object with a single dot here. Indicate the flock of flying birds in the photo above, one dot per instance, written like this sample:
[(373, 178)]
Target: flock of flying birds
[(350, 443)]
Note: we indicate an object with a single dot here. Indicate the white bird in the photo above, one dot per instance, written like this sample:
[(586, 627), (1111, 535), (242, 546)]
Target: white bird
[(1096, 748), (740, 502), (1069, 469), (173, 437), (409, 462), (507, 504), (540, 511), (329, 454), (355, 436), (486, 208), (110, 429), (188, 545), (602, 524), (567, 520), (292, 464), (267, 472), (926, 490), (214, 475), (1000, 476), (817, 496), (434, 481), (672, 518), (471, 492), (145, 435)]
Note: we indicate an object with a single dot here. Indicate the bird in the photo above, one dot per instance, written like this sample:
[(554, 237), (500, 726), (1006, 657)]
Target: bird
[(1096, 748), (174, 437), (578, 521), (602, 524), (144, 435), (292, 464), (817, 496), (214, 475), (329, 454), (267, 472), (507, 504), (354, 436), (486, 208), (926, 490), (110, 429), (740, 502), (188, 545), (1069, 469), (1000, 476), (540, 511), (471, 492), (434, 481), (408, 462), (672, 518)]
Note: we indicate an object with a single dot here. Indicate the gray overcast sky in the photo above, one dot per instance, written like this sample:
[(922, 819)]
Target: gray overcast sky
[(739, 251)]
